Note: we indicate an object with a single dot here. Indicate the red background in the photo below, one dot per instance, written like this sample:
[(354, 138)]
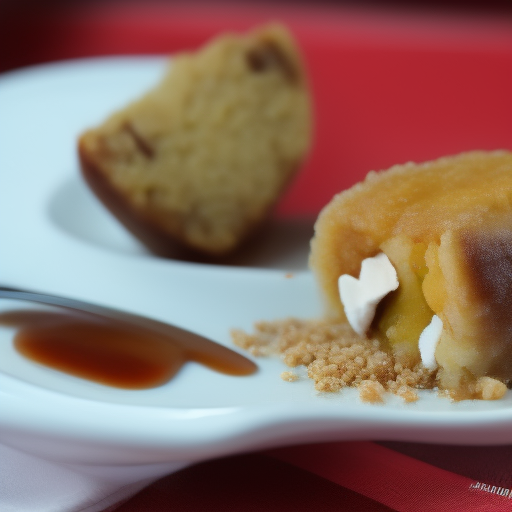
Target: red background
[(389, 86)]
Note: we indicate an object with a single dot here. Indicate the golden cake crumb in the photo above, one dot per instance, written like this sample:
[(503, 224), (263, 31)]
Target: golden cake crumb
[(490, 389), (407, 393), (289, 376), (371, 391), (336, 357)]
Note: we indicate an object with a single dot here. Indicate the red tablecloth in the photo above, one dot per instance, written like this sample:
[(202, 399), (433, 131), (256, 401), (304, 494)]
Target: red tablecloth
[(350, 476)]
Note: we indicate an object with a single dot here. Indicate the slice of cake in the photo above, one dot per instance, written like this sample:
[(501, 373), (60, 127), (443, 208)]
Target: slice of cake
[(200, 160), (446, 229), (415, 268)]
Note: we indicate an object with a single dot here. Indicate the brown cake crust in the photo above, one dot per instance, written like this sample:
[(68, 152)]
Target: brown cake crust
[(140, 223), (164, 239)]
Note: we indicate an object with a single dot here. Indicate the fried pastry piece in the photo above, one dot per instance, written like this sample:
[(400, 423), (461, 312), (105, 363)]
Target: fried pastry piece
[(200, 159), (446, 227)]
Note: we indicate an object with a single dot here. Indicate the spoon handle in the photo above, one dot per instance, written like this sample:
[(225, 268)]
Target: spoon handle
[(78, 305)]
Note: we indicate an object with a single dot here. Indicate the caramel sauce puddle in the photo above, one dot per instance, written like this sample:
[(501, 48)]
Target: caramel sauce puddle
[(114, 352)]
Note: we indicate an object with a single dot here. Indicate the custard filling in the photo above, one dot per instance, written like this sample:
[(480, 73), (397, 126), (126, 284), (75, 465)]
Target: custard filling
[(391, 306)]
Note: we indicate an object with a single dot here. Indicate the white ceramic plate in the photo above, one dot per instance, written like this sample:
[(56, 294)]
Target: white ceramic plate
[(55, 237)]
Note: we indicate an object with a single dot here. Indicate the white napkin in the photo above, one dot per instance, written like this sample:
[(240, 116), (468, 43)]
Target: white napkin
[(31, 484)]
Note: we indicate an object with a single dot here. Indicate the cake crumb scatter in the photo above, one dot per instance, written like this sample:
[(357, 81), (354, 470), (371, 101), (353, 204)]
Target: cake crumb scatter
[(289, 376), (371, 391), (490, 389), (336, 357)]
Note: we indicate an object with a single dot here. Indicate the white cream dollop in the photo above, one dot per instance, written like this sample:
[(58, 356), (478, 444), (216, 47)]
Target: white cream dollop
[(429, 339), (360, 297)]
